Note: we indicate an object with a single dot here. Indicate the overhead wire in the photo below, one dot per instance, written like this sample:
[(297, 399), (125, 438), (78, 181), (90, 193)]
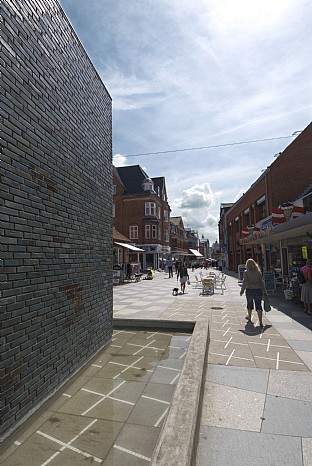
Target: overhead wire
[(212, 146)]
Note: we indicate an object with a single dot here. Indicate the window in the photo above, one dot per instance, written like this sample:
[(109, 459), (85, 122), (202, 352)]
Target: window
[(114, 189), (166, 236), (133, 232), (114, 209), (159, 213), (150, 208), (166, 217), (154, 231), (147, 231)]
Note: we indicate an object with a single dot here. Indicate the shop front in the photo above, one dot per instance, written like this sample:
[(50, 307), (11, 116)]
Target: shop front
[(126, 261), (285, 249)]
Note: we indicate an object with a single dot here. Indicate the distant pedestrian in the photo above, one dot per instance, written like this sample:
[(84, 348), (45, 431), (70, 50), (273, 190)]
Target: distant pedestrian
[(170, 266), (176, 266), (128, 271), (255, 289), (306, 288), (184, 276)]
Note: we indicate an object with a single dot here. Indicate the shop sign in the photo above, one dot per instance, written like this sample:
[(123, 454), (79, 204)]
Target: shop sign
[(304, 252), (286, 212), (241, 270), (269, 281), (151, 249)]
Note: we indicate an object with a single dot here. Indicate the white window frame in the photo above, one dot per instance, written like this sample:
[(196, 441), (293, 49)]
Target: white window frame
[(147, 231), (133, 232), (114, 210), (150, 208), (154, 231), (166, 217), (114, 189)]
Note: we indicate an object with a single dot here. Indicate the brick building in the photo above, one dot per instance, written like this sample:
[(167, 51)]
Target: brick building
[(56, 228), (246, 228), (141, 212), (178, 237)]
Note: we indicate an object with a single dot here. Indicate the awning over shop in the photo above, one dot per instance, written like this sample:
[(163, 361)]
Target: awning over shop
[(129, 246), (301, 226), (196, 253)]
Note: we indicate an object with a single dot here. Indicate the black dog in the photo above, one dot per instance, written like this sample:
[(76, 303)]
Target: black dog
[(175, 291)]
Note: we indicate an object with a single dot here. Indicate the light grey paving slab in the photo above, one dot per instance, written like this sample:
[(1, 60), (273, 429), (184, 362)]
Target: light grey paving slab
[(302, 345), (287, 417), (290, 384), (232, 408), (246, 378), (228, 447), (307, 451), (293, 334), (306, 357)]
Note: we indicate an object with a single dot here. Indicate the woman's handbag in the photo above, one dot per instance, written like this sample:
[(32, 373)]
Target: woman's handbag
[(266, 304)]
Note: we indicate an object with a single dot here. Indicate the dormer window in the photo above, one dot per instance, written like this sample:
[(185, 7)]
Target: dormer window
[(148, 184)]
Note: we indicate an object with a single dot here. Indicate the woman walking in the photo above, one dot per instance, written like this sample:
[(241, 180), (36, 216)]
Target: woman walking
[(255, 289), (184, 276)]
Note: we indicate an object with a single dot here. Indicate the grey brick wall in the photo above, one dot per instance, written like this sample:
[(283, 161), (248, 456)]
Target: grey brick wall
[(56, 220)]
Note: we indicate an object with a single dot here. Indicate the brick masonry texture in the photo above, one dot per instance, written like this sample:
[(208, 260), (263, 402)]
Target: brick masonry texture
[(56, 203)]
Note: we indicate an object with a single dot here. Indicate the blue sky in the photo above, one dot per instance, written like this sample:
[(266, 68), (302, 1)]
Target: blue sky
[(195, 74)]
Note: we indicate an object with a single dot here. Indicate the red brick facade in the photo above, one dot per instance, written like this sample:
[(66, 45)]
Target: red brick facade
[(284, 180)]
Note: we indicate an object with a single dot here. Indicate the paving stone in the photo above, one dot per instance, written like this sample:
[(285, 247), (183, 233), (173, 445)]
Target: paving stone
[(232, 408), (230, 447), (287, 417)]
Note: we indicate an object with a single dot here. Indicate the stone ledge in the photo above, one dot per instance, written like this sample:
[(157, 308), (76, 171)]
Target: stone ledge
[(177, 443)]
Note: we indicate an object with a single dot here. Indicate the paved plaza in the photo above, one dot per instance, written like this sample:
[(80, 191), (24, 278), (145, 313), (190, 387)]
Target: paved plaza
[(257, 403)]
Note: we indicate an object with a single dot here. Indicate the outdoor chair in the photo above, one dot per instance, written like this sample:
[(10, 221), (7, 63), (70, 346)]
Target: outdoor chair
[(220, 283), (207, 286)]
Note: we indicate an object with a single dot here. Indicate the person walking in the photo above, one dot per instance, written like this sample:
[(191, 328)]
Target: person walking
[(306, 288), (254, 286), (184, 276), (170, 266)]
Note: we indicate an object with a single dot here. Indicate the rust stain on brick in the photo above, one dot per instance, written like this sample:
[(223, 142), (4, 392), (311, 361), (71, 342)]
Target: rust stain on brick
[(58, 239), (72, 292), (42, 180)]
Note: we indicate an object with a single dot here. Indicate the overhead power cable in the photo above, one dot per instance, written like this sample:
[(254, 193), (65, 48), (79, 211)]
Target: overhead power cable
[(213, 146)]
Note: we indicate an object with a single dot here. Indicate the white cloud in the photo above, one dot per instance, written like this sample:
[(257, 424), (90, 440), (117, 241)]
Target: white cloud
[(120, 160), (189, 74), (194, 206)]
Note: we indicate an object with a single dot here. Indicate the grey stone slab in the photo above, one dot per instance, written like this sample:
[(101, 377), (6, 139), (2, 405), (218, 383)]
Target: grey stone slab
[(229, 447), (287, 417), (306, 357), (302, 345), (307, 451), (232, 408), (291, 385), (294, 334), (247, 378)]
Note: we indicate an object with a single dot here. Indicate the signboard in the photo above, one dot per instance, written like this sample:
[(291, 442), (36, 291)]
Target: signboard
[(269, 281), (117, 277), (241, 269)]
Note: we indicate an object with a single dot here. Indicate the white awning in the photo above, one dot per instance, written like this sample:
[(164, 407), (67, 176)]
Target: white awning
[(129, 246), (196, 253)]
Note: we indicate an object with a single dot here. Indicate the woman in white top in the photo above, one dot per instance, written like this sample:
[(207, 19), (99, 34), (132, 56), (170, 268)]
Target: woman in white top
[(255, 289)]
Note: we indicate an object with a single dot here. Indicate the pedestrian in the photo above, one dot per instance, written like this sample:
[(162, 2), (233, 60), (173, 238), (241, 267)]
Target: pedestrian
[(176, 266), (170, 265), (128, 271), (255, 289), (184, 276), (306, 287)]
